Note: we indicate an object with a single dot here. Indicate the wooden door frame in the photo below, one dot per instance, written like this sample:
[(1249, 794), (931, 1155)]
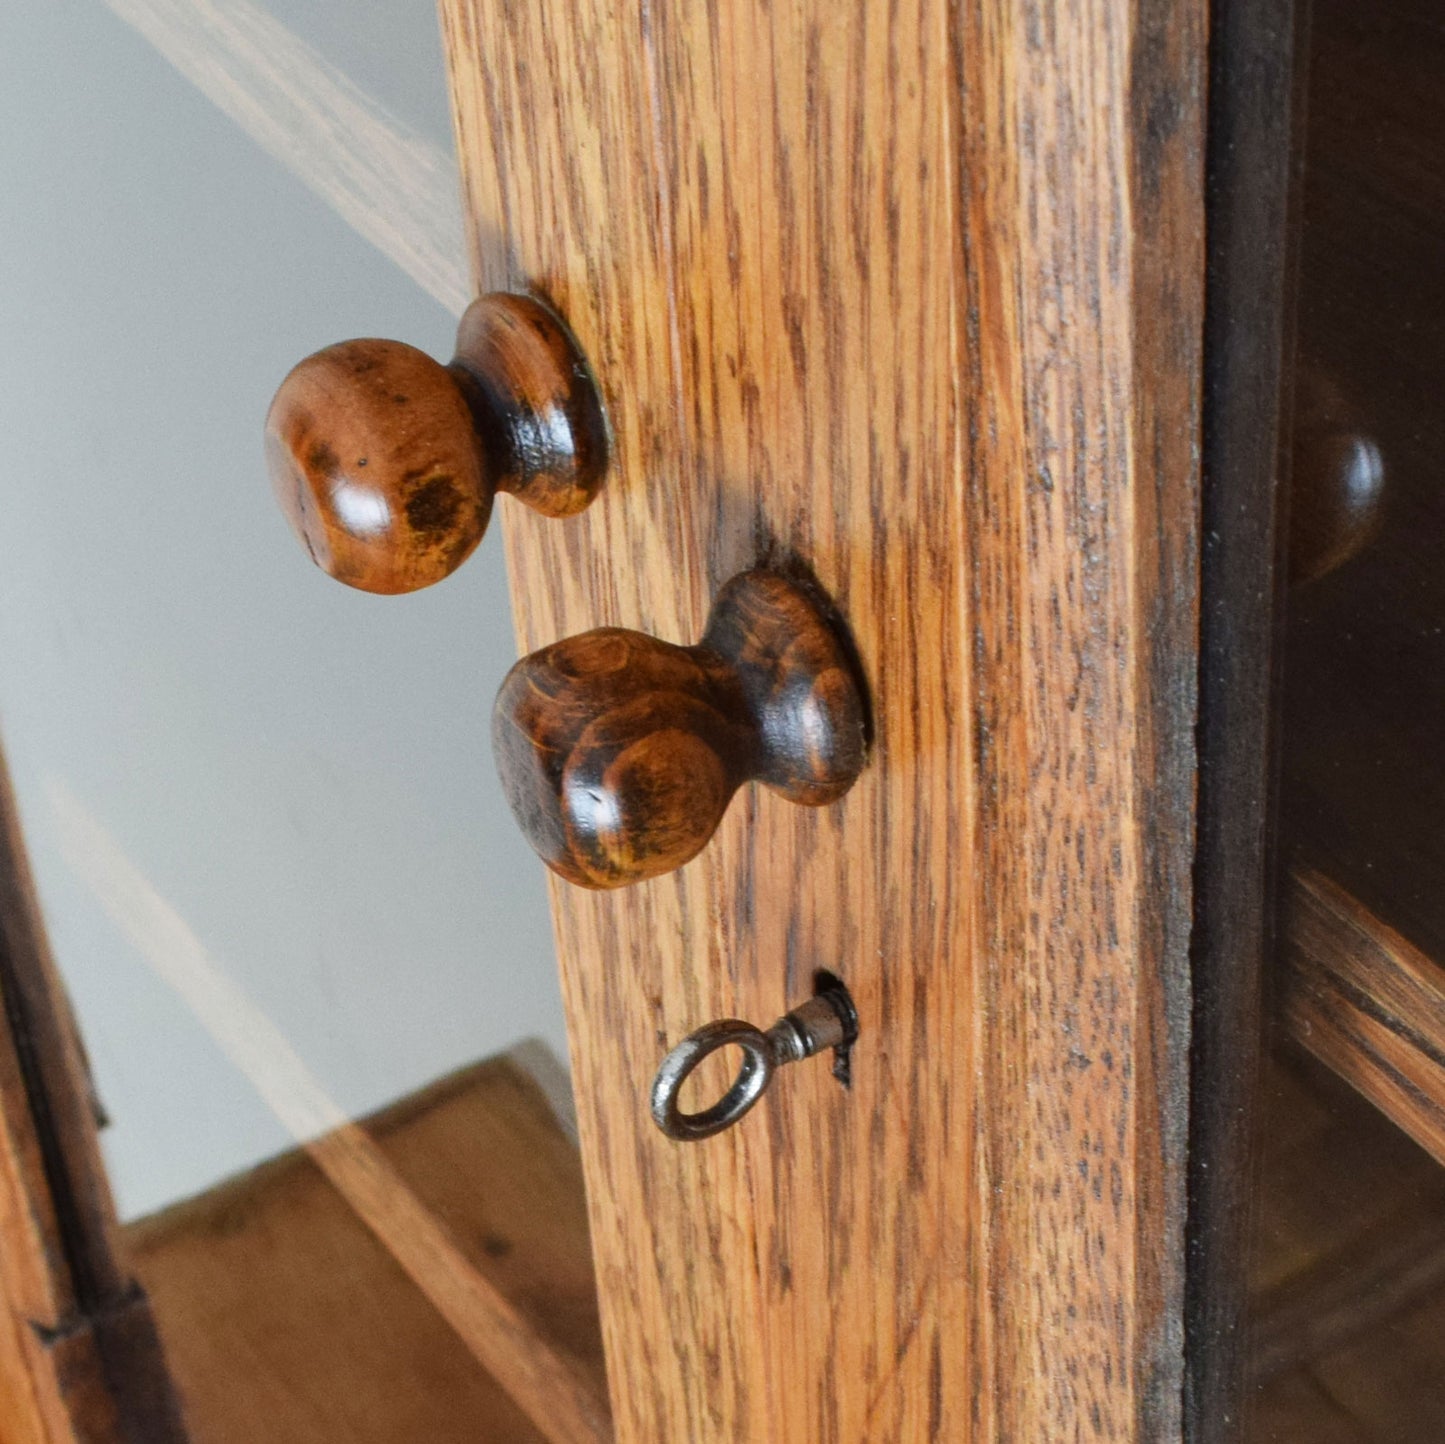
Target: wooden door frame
[(997, 1246)]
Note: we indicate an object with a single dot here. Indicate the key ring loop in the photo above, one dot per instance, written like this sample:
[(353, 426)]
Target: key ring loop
[(752, 1079)]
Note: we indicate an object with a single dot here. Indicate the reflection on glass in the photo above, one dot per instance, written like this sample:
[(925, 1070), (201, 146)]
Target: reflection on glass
[(309, 953), (1348, 1271)]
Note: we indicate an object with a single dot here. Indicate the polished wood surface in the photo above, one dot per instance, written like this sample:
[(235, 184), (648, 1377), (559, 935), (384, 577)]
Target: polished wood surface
[(386, 462), (619, 753), (1368, 1004), (874, 286), (288, 1321)]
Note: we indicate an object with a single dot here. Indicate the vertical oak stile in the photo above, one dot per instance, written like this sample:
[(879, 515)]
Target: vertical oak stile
[(556, 103), (909, 294), (1083, 137)]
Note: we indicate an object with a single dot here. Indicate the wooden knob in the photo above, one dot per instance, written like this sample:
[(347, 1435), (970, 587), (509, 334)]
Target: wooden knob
[(619, 753), (386, 462), (1337, 480)]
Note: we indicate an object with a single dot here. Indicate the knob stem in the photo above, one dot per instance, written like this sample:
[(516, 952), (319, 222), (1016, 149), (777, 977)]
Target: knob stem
[(385, 462), (535, 405)]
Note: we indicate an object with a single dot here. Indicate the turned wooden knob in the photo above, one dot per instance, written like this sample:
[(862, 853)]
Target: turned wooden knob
[(386, 462), (619, 753), (1337, 480)]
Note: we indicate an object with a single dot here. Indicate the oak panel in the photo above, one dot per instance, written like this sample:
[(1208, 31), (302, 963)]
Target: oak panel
[(908, 296)]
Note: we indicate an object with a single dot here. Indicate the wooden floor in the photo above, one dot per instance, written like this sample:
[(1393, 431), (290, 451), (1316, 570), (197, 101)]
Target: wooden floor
[(286, 1322), (1348, 1296)]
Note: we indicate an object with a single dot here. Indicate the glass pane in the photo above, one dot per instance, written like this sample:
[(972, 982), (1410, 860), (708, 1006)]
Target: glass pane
[(1348, 1327), (278, 874)]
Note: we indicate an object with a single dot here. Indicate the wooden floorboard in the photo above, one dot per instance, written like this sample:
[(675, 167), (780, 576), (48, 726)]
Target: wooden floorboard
[(286, 1321)]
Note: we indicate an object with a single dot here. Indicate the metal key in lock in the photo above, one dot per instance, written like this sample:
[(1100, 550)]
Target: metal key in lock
[(828, 1020)]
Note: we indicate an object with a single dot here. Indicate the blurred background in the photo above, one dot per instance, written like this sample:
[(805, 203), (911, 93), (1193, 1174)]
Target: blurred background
[(294, 777)]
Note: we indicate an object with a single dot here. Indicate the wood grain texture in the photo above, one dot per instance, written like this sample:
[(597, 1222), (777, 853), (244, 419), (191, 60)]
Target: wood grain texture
[(1368, 1004), (33, 1411), (619, 753), (373, 463), (912, 292), (288, 1321)]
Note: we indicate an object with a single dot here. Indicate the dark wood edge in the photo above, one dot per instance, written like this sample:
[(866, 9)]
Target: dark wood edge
[(101, 1340), (1248, 343), (113, 1376)]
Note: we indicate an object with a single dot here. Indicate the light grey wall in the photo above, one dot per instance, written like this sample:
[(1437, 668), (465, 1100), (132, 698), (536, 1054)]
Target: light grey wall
[(301, 770)]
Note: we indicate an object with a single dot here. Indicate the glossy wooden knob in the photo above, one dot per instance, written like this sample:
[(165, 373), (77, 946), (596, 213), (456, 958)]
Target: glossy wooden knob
[(386, 462), (1337, 480), (619, 753)]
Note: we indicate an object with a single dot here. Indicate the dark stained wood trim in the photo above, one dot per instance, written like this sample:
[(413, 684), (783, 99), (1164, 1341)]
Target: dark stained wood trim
[(1246, 344), (113, 1376), (56, 1091)]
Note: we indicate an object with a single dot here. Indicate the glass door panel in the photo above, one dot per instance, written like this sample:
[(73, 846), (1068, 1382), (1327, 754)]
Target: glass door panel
[(1348, 1270), (309, 953)]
